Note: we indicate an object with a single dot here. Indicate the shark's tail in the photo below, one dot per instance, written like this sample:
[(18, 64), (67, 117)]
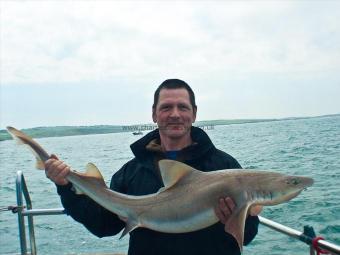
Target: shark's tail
[(40, 154)]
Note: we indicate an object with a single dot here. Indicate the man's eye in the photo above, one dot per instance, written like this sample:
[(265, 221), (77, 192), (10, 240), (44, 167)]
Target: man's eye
[(165, 107), (183, 107)]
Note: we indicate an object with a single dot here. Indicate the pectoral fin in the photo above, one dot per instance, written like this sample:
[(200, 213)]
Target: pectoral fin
[(235, 225)]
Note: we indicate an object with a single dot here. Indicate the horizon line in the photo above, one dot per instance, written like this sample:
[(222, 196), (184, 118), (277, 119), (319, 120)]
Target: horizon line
[(141, 124)]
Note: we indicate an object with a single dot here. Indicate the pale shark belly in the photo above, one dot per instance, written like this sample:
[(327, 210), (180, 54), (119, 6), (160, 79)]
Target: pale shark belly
[(176, 219)]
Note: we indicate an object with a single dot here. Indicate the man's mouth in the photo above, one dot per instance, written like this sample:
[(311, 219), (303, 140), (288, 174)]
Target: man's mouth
[(175, 125)]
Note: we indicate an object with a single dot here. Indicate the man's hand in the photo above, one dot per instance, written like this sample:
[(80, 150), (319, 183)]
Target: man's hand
[(226, 207), (56, 170), (255, 210)]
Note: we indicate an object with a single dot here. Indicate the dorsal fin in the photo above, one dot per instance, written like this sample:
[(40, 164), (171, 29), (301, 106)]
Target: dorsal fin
[(90, 171), (172, 171), (93, 171)]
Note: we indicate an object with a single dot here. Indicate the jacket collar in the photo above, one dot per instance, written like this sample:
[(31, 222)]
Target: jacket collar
[(146, 147)]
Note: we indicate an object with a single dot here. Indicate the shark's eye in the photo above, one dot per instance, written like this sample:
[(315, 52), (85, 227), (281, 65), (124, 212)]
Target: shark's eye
[(293, 181)]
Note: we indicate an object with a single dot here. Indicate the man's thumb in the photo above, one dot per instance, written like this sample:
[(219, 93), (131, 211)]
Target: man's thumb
[(54, 156)]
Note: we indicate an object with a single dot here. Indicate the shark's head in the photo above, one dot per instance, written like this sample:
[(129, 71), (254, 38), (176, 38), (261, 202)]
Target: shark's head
[(298, 182), (270, 188), (287, 187)]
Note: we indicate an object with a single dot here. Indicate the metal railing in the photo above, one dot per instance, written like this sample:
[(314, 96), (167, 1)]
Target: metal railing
[(302, 236), (22, 191)]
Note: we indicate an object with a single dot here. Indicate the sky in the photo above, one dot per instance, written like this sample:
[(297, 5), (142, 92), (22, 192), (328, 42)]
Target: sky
[(99, 62)]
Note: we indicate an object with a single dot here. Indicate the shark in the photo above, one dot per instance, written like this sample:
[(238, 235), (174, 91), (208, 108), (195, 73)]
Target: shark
[(186, 202)]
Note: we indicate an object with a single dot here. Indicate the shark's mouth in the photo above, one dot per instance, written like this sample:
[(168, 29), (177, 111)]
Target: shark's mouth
[(294, 194)]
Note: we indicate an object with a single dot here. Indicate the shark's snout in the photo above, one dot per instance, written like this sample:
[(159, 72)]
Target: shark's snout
[(299, 182)]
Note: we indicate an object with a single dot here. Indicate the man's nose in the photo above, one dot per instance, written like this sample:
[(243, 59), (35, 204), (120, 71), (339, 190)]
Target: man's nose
[(175, 112)]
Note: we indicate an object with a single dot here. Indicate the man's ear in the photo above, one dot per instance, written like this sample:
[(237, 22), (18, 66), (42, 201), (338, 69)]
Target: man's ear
[(154, 118), (195, 112)]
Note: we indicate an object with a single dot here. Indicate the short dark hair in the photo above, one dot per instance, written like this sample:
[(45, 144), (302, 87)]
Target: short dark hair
[(174, 84)]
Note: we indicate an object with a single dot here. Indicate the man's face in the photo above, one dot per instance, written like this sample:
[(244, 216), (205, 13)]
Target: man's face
[(174, 113)]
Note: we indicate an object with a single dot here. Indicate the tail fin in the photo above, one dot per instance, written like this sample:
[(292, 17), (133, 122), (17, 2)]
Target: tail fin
[(40, 154)]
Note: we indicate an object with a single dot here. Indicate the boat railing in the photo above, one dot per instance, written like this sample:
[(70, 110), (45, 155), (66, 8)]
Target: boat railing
[(26, 210)]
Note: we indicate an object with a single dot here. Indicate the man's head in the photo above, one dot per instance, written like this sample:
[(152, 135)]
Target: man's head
[(174, 84), (174, 109)]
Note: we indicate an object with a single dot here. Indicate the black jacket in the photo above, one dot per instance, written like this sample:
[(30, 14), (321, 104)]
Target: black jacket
[(140, 176)]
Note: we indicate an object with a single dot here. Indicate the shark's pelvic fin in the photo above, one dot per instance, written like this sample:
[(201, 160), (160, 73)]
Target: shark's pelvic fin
[(129, 226), (172, 171)]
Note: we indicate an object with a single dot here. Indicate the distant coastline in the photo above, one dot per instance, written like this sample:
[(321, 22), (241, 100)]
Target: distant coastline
[(58, 131)]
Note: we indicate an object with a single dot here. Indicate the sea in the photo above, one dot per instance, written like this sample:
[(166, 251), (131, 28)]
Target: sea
[(309, 147)]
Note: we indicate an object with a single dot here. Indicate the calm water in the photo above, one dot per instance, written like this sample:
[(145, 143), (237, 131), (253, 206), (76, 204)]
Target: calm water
[(304, 147)]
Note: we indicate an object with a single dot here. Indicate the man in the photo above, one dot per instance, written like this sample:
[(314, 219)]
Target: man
[(174, 111)]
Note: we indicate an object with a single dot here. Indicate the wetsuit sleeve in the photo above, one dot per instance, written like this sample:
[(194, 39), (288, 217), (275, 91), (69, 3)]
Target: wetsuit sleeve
[(94, 217)]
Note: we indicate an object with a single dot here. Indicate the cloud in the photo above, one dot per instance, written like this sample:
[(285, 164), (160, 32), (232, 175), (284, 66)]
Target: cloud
[(54, 41)]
